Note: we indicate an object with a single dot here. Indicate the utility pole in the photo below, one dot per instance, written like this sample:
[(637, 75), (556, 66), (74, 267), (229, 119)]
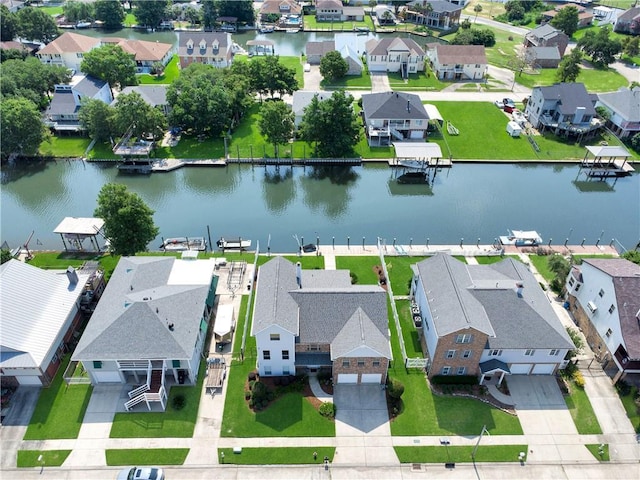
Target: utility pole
[(475, 449)]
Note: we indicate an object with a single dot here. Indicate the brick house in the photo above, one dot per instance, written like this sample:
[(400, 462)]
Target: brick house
[(457, 62), (308, 320), (545, 45), (486, 320), (210, 48), (604, 297)]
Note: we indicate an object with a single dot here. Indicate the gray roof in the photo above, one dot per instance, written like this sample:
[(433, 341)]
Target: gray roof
[(360, 337), (569, 96), (140, 301), (438, 6), (89, 86), (625, 102), (545, 31), (493, 365), (629, 15), (385, 45), (223, 38), (393, 105), (544, 53), (62, 103), (154, 95), (320, 48), (306, 358), (302, 99)]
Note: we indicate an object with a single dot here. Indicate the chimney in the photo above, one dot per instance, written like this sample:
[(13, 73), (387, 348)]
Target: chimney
[(72, 275), (519, 288), (299, 274)]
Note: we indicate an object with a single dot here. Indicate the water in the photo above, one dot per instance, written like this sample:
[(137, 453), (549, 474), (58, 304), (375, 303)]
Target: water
[(469, 201)]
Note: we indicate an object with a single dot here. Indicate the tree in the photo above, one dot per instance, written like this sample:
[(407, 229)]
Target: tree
[(151, 14), (31, 79), (515, 11), (8, 24), (21, 128), (331, 125), (577, 340), (96, 117), (192, 15), (209, 13), (600, 47), (604, 113), (241, 9), (475, 36), (76, 11), (276, 123), (128, 221), (477, 8), (632, 255), (569, 68), (635, 142), (131, 111), (631, 46), (111, 13), (36, 24), (5, 256), (269, 75), (465, 24), (560, 266), (566, 20), (333, 66), (111, 64), (157, 68)]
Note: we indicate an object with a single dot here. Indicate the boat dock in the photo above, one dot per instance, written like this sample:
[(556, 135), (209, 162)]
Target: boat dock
[(604, 161), (171, 164)]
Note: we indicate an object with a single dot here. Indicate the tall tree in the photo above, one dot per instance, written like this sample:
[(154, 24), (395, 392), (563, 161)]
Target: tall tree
[(21, 128), (569, 68), (111, 64), (8, 24), (30, 78), (631, 46), (36, 24), (209, 13), (566, 20), (128, 221), (269, 75), (96, 117), (110, 12), (477, 8), (333, 66), (131, 111), (151, 14), (241, 9), (276, 123), (76, 11), (600, 46)]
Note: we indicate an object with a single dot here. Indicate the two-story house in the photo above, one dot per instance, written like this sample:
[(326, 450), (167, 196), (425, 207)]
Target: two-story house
[(68, 50), (393, 115), (486, 320), (307, 320), (604, 297), (457, 62), (545, 45), (153, 95), (565, 109), (271, 11), (624, 110), (585, 18), (144, 53), (336, 11), (628, 22), (209, 48), (397, 54), (438, 14)]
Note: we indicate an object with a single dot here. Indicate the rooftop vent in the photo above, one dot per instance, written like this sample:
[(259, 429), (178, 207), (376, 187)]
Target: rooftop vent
[(72, 275), (171, 326)]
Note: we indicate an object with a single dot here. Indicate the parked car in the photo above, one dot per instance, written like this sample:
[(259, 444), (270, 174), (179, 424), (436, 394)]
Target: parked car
[(141, 473), (505, 102)]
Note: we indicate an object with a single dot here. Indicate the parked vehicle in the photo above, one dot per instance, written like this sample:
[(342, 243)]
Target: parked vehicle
[(505, 103), (141, 473)]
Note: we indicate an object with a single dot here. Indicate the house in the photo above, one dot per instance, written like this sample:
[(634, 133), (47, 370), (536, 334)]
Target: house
[(564, 108), (301, 100), (384, 14), (486, 320), (144, 53), (210, 48), (62, 112), (335, 11), (545, 46), (272, 11), (395, 55), (584, 18), (437, 14), (40, 313), (346, 44), (628, 22), (457, 62), (68, 50), (154, 95), (310, 320), (150, 326), (604, 297), (624, 109), (393, 116), (314, 51), (13, 5)]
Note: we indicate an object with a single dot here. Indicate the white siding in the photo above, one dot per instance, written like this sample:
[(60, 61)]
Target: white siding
[(106, 377), (275, 347)]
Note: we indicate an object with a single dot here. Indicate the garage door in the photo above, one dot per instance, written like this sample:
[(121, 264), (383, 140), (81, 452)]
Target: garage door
[(107, 377), (544, 369), (29, 380), (520, 368), (347, 378), (371, 378)]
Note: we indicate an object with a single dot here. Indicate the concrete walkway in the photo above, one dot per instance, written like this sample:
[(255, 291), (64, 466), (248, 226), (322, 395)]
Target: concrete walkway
[(498, 395), (317, 390)]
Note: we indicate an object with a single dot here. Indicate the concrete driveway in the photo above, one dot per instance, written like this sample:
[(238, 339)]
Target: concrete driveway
[(14, 425), (379, 82)]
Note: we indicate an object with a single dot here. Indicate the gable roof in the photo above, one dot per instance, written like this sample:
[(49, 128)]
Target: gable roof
[(223, 39), (384, 45), (273, 6), (438, 6), (87, 85), (461, 54), (320, 48), (70, 42), (626, 102), (629, 15), (333, 4), (154, 95), (360, 337), (143, 50), (544, 31), (393, 105), (35, 305), (569, 96), (302, 99), (144, 296)]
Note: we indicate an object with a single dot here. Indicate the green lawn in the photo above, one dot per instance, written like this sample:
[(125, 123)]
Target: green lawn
[(460, 454), (62, 260), (582, 411), (399, 269), (60, 409), (168, 424), (349, 82), (52, 10), (541, 262), (296, 65), (289, 416), (65, 147), (190, 147), (595, 80), (310, 23), (409, 331), (579, 258), (416, 81), (489, 259), (171, 73), (146, 456), (633, 412), (594, 448), (50, 458), (130, 20), (102, 151), (276, 456)]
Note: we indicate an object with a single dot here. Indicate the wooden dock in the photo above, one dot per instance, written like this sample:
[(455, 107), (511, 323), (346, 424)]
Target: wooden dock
[(216, 373), (171, 164)]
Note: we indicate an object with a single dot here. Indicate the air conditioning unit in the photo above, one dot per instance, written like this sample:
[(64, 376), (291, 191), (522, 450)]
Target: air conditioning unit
[(592, 306)]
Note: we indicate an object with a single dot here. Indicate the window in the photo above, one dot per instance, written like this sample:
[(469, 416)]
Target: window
[(345, 363), (266, 355), (495, 353), (612, 308), (267, 370), (554, 352), (451, 353), (529, 353), (608, 334), (466, 354), (376, 363), (577, 287), (175, 363), (467, 338), (571, 281), (601, 293), (274, 337), (97, 364), (446, 370), (360, 363), (461, 370), (285, 354), (314, 347), (285, 371)]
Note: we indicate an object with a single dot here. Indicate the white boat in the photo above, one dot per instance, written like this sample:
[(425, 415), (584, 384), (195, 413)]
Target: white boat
[(83, 24), (267, 29), (238, 244), (292, 30), (521, 238), (179, 244)]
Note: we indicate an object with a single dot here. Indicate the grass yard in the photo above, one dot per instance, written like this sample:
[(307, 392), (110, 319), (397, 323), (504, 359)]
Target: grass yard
[(310, 23), (417, 81), (190, 147), (146, 456), (594, 448), (276, 456), (168, 424), (348, 82), (399, 269), (65, 147), (170, 74), (102, 151), (579, 258), (60, 409), (62, 260), (489, 259), (582, 411), (409, 331), (541, 263), (296, 65), (50, 458), (460, 454), (52, 10), (633, 412), (595, 80)]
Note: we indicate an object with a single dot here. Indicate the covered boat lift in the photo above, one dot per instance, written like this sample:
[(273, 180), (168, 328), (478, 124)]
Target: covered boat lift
[(419, 158), (607, 161), (75, 230), (224, 323), (261, 47)]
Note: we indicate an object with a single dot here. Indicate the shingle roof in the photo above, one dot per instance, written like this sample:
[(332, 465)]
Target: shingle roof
[(461, 54), (324, 4), (70, 42), (154, 95), (62, 103), (625, 102), (438, 6), (569, 96), (144, 296), (223, 38), (394, 105), (360, 337), (273, 6), (384, 45), (88, 86), (544, 53), (320, 48), (302, 99), (145, 51), (544, 31)]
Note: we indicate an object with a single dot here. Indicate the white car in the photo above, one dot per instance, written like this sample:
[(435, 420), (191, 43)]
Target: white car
[(141, 473)]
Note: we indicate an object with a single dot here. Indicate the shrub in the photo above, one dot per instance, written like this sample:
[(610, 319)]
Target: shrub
[(354, 278), (578, 379), (179, 401), (252, 376), (395, 389), (328, 409), (247, 394), (260, 393), (454, 380), (623, 388)]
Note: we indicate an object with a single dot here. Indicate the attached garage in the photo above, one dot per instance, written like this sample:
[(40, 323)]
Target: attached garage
[(347, 378), (544, 369), (520, 368), (107, 377), (371, 378), (29, 380)]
